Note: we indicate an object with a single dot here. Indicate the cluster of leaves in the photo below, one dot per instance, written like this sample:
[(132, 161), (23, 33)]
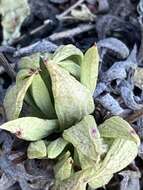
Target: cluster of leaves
[(58, 89)]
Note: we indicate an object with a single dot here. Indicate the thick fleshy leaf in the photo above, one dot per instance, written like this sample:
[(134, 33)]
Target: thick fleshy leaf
[(87, 162), (68, 52), (89, 68), (116, 127), (56, 147), (72, 100), (85, 138), (34, 111), (31, 128), (14, 98), (22, 74), (63, 168), (71, 67), (120, 155), (78, 181), (100, 179), (41, 97), (9, 102), (37, 150), (30, 62), (46, 77)]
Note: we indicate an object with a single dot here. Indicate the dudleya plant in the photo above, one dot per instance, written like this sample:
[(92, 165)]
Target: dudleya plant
[(58, 89)]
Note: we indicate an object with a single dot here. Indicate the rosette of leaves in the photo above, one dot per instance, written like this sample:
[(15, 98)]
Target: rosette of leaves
[(58, 89)]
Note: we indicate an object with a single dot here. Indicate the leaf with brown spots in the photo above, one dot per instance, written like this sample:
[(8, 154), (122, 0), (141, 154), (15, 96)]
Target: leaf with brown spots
[(31, 128)]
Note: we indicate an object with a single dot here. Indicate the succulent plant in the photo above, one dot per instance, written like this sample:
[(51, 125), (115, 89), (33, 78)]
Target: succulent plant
[(58, 89)]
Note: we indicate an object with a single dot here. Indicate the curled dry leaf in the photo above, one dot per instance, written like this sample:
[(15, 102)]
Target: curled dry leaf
[(117, 46), (84, 14)]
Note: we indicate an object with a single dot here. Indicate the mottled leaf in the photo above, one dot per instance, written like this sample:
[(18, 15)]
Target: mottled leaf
[(72, 99), (120, 155), (37, 150), (85, 138), (89, 68), (116, 127), (31, 128), (56, 147)]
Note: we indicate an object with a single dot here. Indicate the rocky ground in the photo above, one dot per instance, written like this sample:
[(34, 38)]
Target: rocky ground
[(116, 26)]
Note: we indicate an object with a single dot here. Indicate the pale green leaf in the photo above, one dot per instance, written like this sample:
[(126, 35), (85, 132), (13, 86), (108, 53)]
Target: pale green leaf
[(15, 96), (71, 67), (72, 100), (31, 128), (9, 102), (34, 111), (89, 68), (116, 127), (120, 155), (68, 52), (46, 77), (41, 97), (78, 181), (30, 62), (37, 150), (100, 179), (22, 74), (56, 147), (63, 168), (85, 138), (87, 162)]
